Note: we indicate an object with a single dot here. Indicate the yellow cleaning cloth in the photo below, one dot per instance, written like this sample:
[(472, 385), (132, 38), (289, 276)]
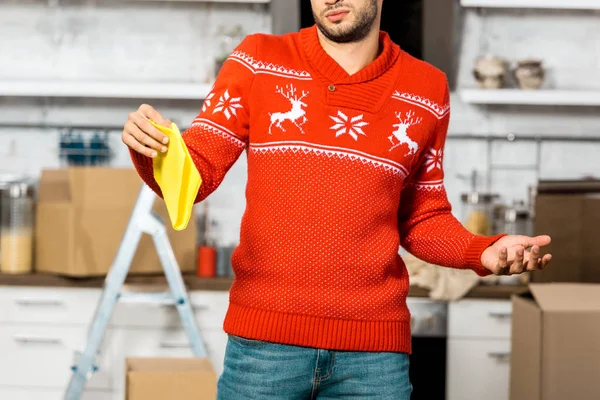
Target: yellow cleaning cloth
[(177, 177)]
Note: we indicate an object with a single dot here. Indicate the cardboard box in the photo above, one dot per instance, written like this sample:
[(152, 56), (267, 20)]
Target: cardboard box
[(555, 343), (170, 378), (81, 216), (569, 211)]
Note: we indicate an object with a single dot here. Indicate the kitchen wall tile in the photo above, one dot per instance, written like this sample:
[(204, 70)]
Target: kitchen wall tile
[(518, 154), (467, 118), (227, 204), (512, 185), (547, 121), (128, 41), (570, 160), (27, 151), (461, 158)]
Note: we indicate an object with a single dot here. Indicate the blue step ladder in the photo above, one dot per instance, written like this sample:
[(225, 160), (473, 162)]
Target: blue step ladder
[(142, 220)]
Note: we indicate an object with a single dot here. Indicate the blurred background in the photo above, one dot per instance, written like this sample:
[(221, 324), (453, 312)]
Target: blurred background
[(522, 156)]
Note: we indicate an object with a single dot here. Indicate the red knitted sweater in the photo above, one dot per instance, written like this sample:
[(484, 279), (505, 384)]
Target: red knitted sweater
[(342, 171)]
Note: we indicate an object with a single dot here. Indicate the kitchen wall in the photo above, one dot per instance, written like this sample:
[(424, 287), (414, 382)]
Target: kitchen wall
[(137, 41), (567, 42), (113, 41)]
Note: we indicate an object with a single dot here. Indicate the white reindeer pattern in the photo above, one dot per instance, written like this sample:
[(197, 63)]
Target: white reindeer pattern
[(401, 134), (295, 114)]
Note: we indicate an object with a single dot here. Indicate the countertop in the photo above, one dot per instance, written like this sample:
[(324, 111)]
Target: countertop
[(217, 284)]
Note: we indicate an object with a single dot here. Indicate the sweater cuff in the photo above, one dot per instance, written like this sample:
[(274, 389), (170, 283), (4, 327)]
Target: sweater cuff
[(140, 161), (476, 249)]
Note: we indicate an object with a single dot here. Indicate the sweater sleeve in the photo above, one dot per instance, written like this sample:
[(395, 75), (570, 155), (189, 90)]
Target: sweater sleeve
[(428, 230), (219, 133)]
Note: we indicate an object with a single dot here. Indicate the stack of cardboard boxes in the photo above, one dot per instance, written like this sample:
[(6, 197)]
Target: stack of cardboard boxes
[(556, 325), (170, 378), (81, 217)]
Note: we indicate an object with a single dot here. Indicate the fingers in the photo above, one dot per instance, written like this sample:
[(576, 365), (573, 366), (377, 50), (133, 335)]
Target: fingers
[(515, 258), (542, 240), (149, 130), (533, 262), (144, 138), (517, 265), (149, 112), (141, 136), (545, 260), (503, 267), (534, 259), (132, 142)]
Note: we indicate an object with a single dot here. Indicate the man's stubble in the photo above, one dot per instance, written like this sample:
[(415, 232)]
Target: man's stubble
[(365, 18)]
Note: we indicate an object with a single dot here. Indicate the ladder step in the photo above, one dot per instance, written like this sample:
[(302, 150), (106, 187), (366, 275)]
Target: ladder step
[(148, 298)]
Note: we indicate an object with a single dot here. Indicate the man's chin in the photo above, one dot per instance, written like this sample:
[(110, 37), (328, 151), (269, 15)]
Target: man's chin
[(335, 30)]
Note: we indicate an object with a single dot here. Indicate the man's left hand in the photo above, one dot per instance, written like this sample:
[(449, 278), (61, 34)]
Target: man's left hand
[(515, 254)]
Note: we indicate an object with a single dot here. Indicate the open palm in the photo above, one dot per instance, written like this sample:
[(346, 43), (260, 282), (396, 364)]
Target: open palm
[(514, 254)]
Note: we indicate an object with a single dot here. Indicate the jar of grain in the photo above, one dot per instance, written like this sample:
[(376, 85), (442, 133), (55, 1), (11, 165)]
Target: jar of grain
[(16, 233), (477, 212)]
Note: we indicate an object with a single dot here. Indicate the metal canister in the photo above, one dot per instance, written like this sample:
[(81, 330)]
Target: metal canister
[(517, 220), (16, 228)]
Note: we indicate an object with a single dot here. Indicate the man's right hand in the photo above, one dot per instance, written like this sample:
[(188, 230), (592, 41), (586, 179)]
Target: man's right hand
[(139, 134)]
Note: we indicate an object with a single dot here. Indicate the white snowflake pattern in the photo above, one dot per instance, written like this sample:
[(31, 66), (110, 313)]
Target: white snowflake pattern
[(434, 159), (228, 105), (207, 101), (352, 126)]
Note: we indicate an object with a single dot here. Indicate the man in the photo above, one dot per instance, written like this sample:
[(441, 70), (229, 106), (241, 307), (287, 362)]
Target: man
[(344, 134)]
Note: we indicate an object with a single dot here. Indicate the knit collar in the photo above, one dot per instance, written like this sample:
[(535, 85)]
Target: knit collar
[(332, 71)]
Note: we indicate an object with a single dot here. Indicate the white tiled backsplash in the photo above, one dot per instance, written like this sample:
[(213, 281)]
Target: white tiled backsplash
[(118, 40), (163, 41)]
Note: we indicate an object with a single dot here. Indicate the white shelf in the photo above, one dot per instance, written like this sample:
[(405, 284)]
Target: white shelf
[(531, 97), (556, 4), (145, 90)]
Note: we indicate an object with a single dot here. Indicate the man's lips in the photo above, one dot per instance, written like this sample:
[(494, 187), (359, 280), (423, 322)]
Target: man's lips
[(336, 15)]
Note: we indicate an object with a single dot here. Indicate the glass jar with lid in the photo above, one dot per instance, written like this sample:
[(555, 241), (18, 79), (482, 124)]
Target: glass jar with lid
[(477, 212), (16, 228)]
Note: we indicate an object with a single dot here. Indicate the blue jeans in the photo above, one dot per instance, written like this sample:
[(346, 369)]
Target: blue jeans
[(256, 369)]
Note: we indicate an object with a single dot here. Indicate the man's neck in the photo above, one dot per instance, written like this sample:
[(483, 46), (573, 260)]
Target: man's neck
[(352, 57)]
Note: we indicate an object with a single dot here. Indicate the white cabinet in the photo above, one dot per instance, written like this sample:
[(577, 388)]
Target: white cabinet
[(478, 369), (480, 319), (46, 394), (479, 343), (42, 356), (47, 305), (43, 329)]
